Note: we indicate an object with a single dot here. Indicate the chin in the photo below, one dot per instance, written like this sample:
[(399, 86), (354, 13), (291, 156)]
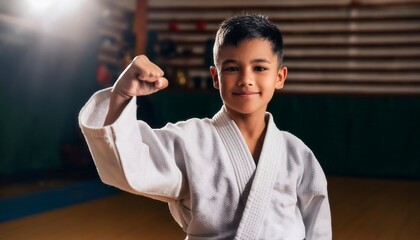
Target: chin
[(245, 110)]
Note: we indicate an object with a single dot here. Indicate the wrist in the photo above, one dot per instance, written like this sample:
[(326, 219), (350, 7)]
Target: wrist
[(118, 98)]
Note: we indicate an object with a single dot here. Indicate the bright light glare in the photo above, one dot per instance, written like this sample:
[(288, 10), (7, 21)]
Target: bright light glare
[(52, 10), (62, 18), (40, 5)]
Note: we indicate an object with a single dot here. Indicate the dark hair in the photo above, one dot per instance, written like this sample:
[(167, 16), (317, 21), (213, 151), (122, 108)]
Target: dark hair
[(234, 30)]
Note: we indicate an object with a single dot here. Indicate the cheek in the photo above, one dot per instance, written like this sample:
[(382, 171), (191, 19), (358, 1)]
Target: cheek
[(226, 81), (269, 80)]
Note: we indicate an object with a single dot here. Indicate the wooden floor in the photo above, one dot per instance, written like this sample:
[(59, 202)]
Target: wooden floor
[(370, 209)]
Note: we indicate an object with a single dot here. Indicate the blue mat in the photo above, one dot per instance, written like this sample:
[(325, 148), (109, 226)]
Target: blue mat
[(20, 206)]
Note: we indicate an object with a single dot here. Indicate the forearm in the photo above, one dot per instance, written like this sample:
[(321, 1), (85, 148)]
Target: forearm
[(116, 106), (313, 201), (317, 217)]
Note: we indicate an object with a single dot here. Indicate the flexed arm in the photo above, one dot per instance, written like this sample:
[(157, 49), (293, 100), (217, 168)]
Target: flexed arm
[(141, 77), (128, 153)]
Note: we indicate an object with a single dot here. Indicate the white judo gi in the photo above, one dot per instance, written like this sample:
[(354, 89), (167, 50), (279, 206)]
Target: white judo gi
[(205, 171)]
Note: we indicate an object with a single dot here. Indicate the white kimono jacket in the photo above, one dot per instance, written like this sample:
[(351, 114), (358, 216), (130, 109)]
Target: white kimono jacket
[(205, 171)]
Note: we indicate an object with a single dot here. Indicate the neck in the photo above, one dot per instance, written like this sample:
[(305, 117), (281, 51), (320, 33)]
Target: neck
[(253, 128), (250, 125)]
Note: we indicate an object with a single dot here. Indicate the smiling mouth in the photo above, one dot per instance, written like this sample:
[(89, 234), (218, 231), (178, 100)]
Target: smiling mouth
[(246, 93)]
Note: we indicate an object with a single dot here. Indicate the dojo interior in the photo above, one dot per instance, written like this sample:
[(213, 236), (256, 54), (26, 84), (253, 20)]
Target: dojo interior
[(352, 95)]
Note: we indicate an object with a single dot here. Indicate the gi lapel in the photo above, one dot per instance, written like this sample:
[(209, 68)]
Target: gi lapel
[(239, 154), (257, 199), (263, 183)]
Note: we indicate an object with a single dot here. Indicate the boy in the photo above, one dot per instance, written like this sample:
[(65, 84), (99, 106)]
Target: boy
[(235, 176)]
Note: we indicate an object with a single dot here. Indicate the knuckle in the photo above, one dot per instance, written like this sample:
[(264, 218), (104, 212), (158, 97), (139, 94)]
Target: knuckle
[(140, 57), (143, 57)]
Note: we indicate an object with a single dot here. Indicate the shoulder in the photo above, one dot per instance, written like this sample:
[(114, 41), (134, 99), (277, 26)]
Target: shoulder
[(191, 135), (189, 124), (298, 151), (312, 177), (294, 143), (188, 128)]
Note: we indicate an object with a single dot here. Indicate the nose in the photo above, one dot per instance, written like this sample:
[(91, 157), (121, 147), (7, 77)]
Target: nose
[(246, 78)]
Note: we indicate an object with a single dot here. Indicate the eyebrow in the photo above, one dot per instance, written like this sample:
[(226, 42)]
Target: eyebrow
[(260, 60), (257, 60)]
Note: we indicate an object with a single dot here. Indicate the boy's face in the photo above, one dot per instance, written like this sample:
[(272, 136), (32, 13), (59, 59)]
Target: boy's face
[(247, 76)]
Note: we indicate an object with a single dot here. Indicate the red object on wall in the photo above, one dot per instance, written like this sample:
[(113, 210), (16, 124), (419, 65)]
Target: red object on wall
[(103, 76), (173, 26), (201, 25)]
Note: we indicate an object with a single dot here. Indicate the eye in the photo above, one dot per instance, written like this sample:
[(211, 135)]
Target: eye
[(259, 68)]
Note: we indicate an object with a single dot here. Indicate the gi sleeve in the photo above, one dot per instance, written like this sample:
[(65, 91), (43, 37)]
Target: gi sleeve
[(122, 156), (313, 201)]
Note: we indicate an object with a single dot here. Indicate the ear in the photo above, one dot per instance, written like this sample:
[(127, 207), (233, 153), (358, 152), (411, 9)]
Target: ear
[(215, 76), (281, 77)]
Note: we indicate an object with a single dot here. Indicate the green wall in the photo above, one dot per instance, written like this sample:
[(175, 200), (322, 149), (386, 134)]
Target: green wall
[(44, 81), (368, 136)]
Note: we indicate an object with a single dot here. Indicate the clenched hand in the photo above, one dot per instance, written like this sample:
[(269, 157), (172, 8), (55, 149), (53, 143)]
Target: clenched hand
[(141, 77)]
